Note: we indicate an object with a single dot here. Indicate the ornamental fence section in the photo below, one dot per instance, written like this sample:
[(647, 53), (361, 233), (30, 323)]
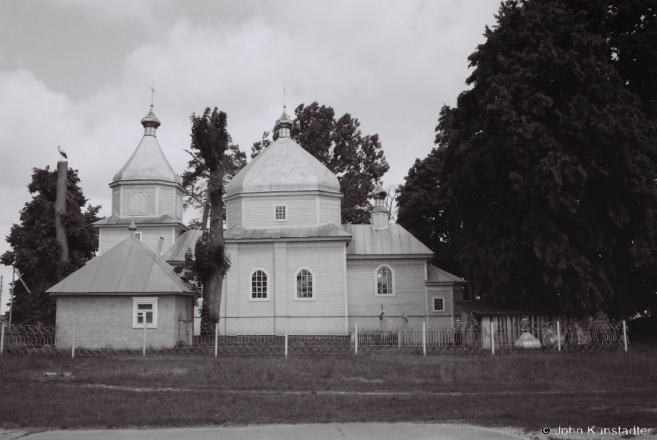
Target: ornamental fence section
[(181, 339)]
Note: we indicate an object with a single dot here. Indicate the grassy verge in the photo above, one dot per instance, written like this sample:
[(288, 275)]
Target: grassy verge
[(526, 390)]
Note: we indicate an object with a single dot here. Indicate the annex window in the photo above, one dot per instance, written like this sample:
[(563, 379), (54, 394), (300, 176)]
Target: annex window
[(305, 284), (438, 304), (280, 213), (144, 312), (259, 285), (385, 281), (139, 235), (138, 204)]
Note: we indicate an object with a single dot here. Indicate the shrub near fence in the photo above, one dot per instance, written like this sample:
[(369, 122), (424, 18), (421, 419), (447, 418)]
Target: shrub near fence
[(88, 340)]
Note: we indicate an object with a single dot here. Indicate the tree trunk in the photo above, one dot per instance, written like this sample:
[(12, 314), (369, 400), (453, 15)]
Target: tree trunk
[(206, 213), (215, 185), (60, 208)]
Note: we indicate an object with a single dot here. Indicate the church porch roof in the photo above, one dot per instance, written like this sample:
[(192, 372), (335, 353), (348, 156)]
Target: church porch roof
[(391, 241), (115, 220)]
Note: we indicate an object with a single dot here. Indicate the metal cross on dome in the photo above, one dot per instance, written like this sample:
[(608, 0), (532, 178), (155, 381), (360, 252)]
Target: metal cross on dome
[(153, 92)]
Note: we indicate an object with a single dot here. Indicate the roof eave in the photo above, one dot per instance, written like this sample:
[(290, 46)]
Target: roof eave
[(398, 256)]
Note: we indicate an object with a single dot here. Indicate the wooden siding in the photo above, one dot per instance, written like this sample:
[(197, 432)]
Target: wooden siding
[(233, 213), (116, 201), (410, 293), (179, 205), (329, 210), (150, 237), (301, 211), (166, 201), (149, 193), (445, 292)]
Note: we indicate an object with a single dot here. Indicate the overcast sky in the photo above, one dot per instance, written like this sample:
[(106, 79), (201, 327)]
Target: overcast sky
[(77, 73)]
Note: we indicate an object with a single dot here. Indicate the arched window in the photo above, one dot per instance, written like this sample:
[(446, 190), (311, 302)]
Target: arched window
[(384, 278), (259, 285), (305, 284), (138, 204)]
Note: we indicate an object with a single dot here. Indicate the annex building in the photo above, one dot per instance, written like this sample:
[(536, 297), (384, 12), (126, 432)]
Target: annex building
[(294, 266)]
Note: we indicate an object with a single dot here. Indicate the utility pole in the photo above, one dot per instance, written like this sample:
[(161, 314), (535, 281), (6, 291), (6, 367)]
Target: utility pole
[(11, 293), (1, 278)]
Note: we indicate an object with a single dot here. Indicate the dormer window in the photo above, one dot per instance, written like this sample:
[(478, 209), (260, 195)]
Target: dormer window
[(280, 213)]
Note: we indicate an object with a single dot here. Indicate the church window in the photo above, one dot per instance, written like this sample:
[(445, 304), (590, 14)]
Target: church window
[(138, 204), (438, 304), (259, 285), (138, 235), (384, 278), (144, 312), (280, 213), (305, 284)]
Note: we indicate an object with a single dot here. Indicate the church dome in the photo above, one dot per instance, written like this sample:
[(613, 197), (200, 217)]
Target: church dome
[(283, 166), (148, 161)]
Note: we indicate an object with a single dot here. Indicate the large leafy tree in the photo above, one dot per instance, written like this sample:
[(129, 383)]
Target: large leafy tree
[(356, 159), (195, 181), (35, 250), (210, 142), (547, 165)]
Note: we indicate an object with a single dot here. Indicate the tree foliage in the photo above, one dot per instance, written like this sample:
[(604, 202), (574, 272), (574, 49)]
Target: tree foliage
[(35, 250), (356, 159), (544, 188), (210, 142)]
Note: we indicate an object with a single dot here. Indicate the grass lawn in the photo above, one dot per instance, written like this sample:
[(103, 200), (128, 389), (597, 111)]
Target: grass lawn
[(526, 390)]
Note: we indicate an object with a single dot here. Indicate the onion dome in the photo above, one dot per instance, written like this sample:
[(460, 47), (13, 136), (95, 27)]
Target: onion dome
[(148, 161), (283, 166)]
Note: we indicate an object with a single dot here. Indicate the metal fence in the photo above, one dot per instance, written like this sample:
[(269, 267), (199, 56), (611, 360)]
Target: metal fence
[(92, 340)]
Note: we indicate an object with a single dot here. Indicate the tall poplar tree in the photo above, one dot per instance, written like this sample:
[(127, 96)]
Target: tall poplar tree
[(547, 166)]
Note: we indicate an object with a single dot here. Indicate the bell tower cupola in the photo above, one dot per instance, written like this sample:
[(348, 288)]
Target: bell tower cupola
[(283, 125), (150, 123)]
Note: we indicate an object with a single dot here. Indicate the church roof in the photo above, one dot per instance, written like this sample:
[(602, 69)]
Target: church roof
[(393, 240), (323, 231), (129, 268), (436, 275), (147, 163), (186, 241), (114, 219), (283, 166)]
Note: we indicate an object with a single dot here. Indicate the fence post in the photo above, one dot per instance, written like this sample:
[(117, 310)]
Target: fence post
[(424, 338), (559, 335), (2, 339), (144, 352), (492, 337), (216, 339), (73, 346), (286, 340), (356, 338), (625, 334)]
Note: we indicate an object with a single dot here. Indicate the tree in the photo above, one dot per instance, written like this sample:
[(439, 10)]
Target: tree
[(547, 167), (35, 250), (195, 181), (211, 140), (358, 161)]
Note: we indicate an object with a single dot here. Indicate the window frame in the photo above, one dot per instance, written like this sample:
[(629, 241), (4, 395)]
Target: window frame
[(279, 205), (139, 235), (314, 285), (267, 291), (143, 198), (136, 301), (433, 304), (376, 281)]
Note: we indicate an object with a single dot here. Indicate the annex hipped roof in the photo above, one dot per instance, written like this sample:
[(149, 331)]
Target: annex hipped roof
[(393, 240), (439, 276), (129, 268), (283, 166)]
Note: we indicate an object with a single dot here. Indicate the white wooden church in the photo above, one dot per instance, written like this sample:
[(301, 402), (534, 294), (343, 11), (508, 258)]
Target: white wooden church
[(294, 265)]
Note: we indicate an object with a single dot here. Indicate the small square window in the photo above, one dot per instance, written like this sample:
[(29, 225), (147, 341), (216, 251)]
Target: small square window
[(144, 312), (280, 213), (138, 235), (438, 304)]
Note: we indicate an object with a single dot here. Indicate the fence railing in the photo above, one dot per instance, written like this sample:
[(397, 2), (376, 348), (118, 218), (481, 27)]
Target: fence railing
[(93, 340)]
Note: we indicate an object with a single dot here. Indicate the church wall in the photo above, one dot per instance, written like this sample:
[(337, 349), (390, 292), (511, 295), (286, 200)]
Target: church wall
[(301, 211), (410, 294), (329, 210), (179, 205), (446, 292), (150, 237), (166, 201), (116, 201), (106, 322), (233, 213), (148, 191)]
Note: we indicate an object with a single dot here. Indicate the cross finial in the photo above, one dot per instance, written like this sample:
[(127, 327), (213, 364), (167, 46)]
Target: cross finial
[(284, 96), (153, 92)]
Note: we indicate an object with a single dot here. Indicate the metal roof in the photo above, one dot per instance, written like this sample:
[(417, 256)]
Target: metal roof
[(328, 230), (436, 275), (283, 166), (187, 240), (159, 220), (129, 268), (393, 240), (147, 163)]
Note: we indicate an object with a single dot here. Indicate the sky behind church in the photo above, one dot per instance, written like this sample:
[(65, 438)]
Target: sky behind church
[(77, 73)]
